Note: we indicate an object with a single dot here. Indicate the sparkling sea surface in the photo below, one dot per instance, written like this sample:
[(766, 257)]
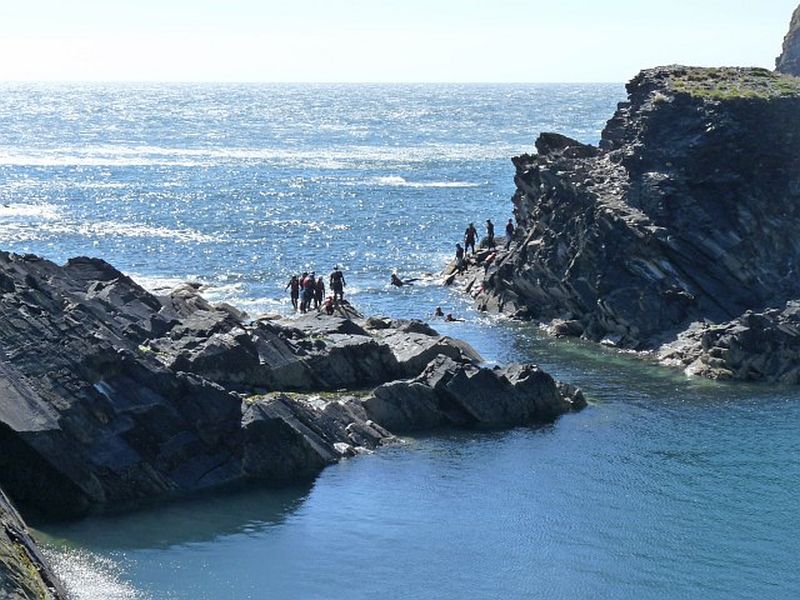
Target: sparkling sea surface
[(664, 488)]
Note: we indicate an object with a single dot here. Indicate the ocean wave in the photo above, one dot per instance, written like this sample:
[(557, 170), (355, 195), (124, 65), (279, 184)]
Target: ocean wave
[(15, 231), (346, 156), (40, 211), (396, 181)]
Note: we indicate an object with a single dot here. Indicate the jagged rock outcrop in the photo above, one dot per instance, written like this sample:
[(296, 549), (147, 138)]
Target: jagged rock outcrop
[(24, 572), (686, 212), (762, 346), (448, 394), (789, 60), (109, 394)]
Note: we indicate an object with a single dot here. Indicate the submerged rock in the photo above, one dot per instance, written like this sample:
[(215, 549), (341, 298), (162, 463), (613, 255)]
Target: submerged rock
[(686, 212), (109, 394)]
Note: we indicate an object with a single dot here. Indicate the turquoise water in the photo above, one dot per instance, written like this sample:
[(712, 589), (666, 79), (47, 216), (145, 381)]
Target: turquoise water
[(662, 488)]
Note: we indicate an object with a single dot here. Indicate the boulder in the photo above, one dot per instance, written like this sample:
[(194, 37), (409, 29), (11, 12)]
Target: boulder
[(466, 395)]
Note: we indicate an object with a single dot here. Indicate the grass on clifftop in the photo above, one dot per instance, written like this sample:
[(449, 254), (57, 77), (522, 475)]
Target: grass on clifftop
[(729, 83)]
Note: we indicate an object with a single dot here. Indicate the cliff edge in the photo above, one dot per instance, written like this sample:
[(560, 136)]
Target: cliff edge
[(789, 60)]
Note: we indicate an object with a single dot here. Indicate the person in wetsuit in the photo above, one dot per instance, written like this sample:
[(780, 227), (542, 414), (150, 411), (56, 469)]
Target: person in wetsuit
[(489, 233), (509, 233), (319, 293), (294, 283), (337, 283), (469, 237), (401, 282), (459, 258)]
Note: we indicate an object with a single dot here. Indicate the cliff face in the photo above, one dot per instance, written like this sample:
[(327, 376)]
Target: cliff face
[(688, 210), (789, 60)]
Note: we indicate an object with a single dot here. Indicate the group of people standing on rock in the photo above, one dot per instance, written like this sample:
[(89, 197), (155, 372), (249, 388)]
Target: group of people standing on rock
[(307, 290), (471, 236)]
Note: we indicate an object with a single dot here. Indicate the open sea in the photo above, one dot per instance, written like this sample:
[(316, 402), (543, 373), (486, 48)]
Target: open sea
[(663, 488)]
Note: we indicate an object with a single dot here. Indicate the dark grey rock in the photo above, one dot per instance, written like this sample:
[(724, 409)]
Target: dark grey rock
[(24, 573), (109, 394), (686, 212), (466, 395)]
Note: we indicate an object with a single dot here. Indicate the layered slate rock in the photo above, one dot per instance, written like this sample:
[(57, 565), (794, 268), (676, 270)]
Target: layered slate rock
[(109, 394), (686, 212), (463, 395), (789, 60), (763, 346), (24, 572)]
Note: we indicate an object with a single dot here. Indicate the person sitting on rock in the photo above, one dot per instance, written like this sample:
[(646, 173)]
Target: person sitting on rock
[(469, 237), (294, 283), (328, 306), (509, 233), (319, 293), (337, 283), (489, 233)]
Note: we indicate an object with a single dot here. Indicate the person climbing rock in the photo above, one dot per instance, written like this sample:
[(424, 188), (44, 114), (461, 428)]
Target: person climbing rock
[(337, 283), (294, 284), (509, 233)]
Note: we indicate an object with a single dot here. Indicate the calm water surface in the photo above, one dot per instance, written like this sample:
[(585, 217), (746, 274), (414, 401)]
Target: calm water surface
[(662, 488)]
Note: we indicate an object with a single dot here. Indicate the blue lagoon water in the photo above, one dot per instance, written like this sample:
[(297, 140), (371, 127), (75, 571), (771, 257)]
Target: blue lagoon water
[(663, 488)]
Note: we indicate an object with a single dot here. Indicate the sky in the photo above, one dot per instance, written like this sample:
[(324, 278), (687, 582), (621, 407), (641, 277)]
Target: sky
[(380, 40)]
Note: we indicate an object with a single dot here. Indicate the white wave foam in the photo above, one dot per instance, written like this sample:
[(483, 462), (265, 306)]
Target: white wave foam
[(331, 158), (396, 181), (88, 576), (40, 211)]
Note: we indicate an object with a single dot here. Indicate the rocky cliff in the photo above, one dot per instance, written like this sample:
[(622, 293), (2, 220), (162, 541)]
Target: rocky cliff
[(789, 60), (686, 212), (24, 573), (110, 394)]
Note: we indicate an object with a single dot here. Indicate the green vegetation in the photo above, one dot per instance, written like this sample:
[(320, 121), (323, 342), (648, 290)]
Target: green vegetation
[(730, 83)]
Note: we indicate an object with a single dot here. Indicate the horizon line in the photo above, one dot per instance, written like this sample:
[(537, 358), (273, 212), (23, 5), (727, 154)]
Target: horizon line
[(298, 82)]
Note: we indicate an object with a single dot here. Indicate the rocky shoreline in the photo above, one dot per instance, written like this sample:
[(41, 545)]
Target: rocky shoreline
[(112, 394), (675, 236)]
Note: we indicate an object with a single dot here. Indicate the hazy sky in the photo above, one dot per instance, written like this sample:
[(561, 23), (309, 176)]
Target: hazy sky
[(380, 40)]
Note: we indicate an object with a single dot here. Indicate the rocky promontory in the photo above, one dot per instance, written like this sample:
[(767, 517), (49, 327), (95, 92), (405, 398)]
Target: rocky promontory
[(684, 218), (789, 60), (110, 394)]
